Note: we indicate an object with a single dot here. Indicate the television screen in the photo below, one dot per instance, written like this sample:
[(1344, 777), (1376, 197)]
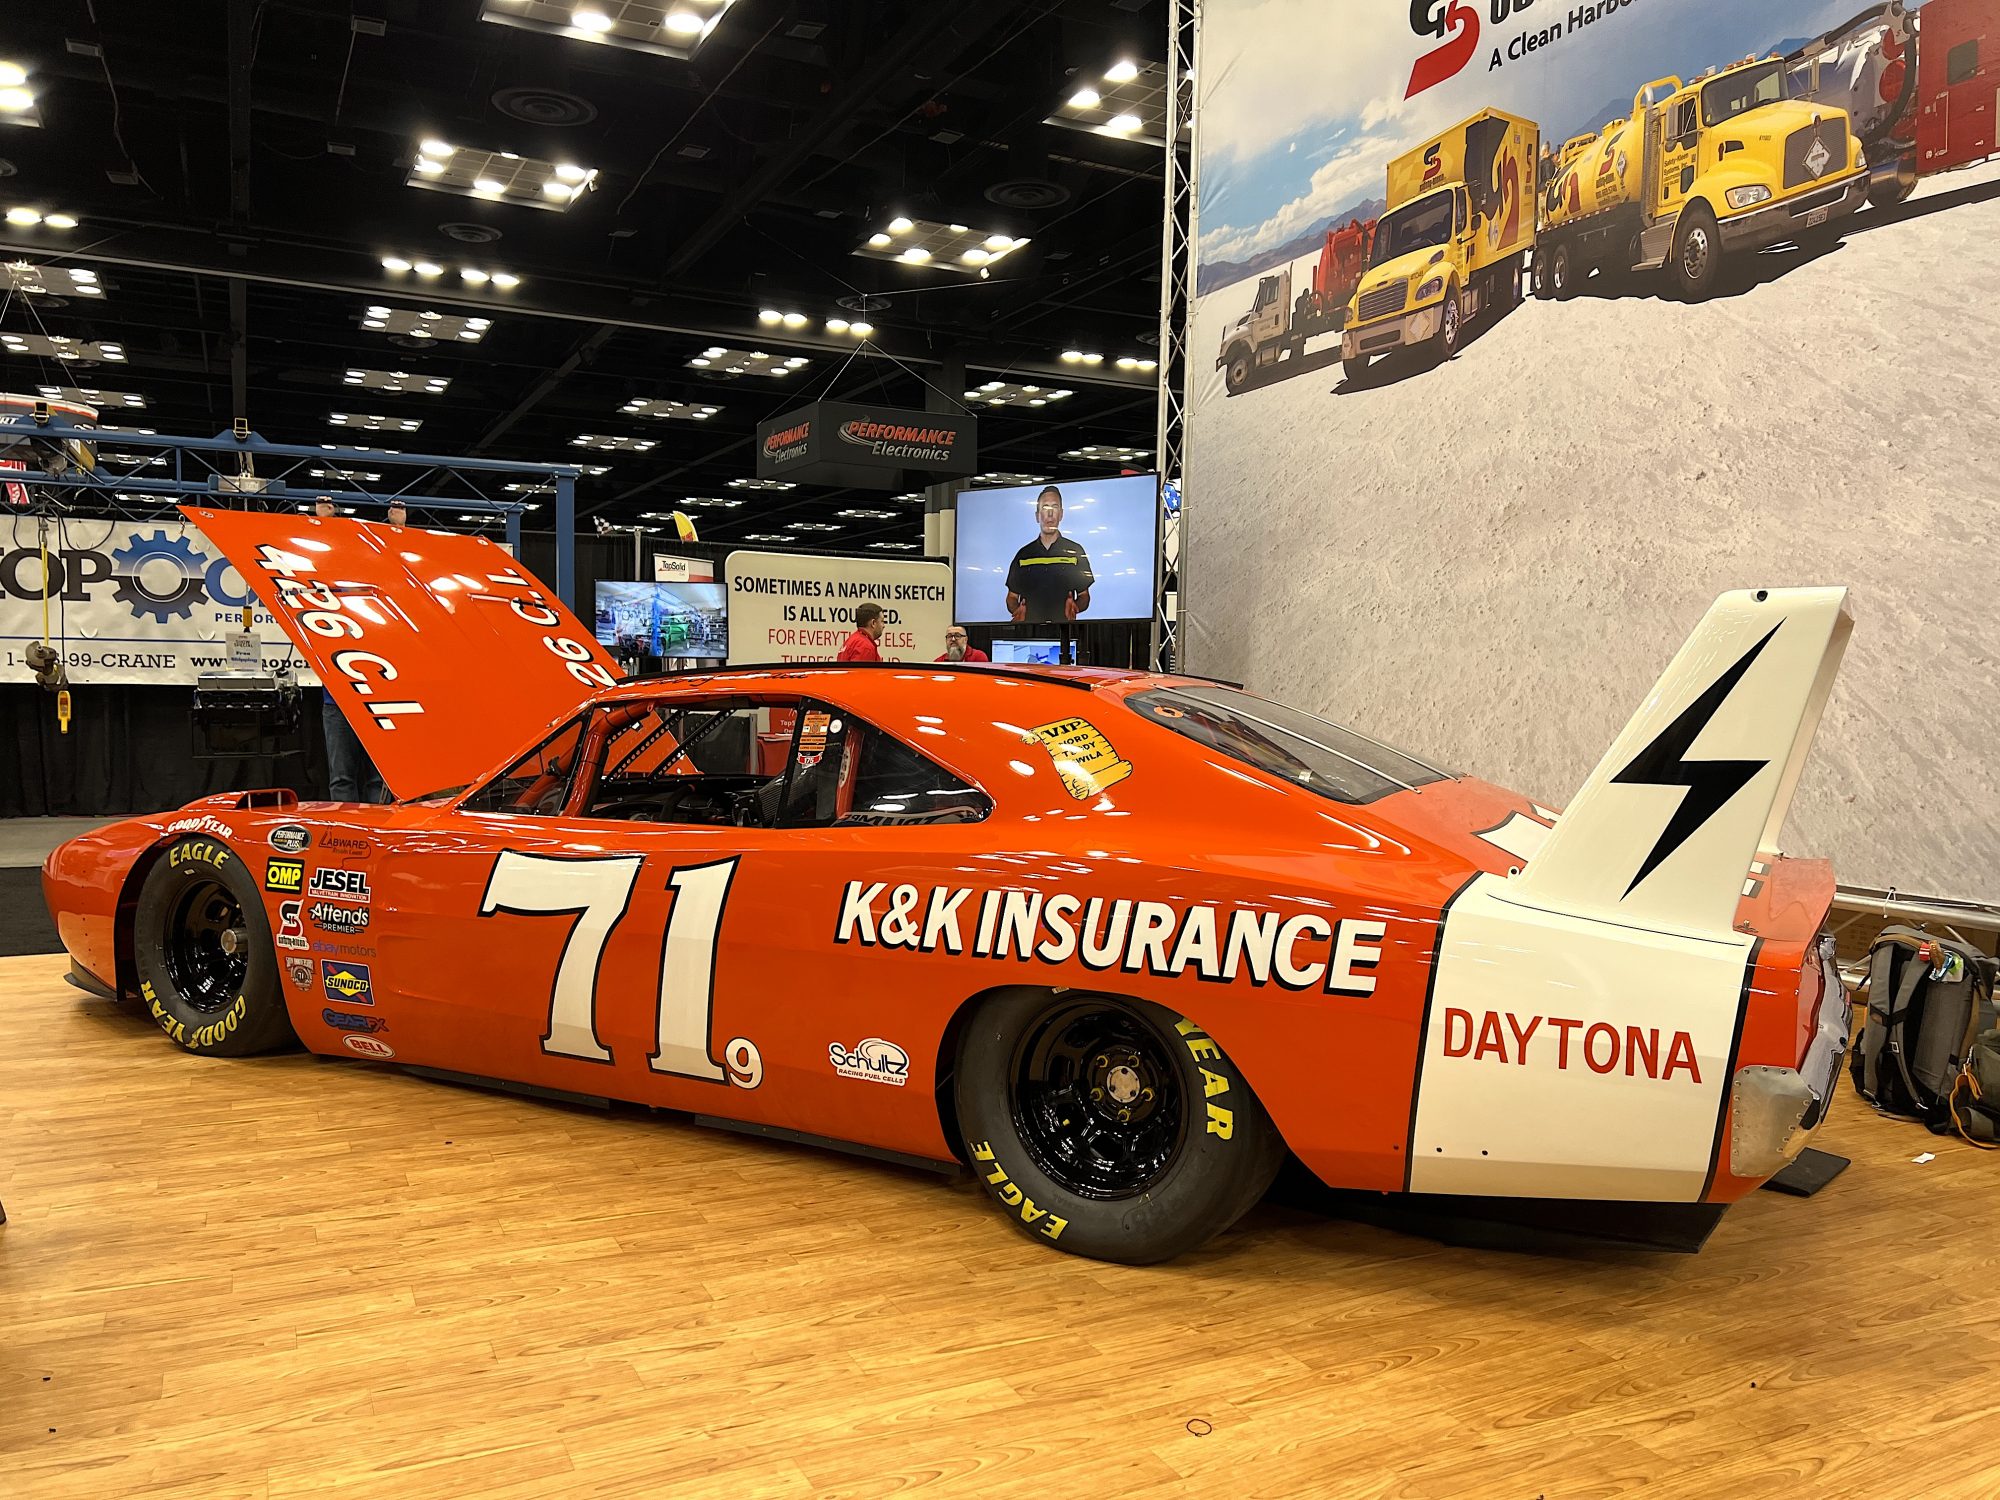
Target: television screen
[(663, 619), (1045, 554), (1043, 653)]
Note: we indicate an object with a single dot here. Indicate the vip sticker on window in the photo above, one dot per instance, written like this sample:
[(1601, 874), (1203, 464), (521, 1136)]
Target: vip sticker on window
[(1084, 757)]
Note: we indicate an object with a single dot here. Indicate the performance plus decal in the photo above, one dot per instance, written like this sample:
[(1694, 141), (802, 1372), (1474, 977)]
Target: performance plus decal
[(1297, 951)]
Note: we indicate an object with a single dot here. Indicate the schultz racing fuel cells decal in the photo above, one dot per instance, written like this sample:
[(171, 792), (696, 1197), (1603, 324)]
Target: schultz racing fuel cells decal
[(1295, 951)]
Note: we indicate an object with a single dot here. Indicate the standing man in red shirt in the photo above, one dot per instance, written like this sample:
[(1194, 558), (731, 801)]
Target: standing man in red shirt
[(955, 648), (868, 626)]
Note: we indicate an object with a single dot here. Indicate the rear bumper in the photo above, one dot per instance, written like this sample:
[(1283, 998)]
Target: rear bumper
[(1778, 222), (1774, 1111)]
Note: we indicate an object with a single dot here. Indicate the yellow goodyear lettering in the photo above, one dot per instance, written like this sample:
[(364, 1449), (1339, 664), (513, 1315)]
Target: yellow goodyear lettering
[(223, 1026), (1039, 1219), (1221, 1119)]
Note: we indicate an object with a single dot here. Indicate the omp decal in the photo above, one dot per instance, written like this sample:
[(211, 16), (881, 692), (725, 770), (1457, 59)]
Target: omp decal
[(290, 838), (1008, 1192), (1301, 951), (1214, 1085), (1083, 756), (368, 1046), (872, 1061), (342, 885), (285, 876), (198, 851), (1600, 1046), (291, 929), (346, 983), (337, 916), (1709, 783)]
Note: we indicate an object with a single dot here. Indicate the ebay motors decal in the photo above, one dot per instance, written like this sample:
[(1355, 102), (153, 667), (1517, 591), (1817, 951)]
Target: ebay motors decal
[(1454, 26)]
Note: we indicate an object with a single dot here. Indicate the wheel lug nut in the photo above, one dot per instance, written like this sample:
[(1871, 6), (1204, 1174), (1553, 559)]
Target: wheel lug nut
[(1096, 1094), (1103, 1061)]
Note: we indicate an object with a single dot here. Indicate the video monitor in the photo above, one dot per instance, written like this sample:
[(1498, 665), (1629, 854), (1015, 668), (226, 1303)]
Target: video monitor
[(1055, 554), (667, 620), (1040, 653)]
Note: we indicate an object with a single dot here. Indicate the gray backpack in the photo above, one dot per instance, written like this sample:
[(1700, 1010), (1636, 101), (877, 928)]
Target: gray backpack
[(1925, 1043)]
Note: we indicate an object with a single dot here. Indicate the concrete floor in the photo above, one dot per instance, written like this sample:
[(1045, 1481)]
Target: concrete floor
[(26, 842)]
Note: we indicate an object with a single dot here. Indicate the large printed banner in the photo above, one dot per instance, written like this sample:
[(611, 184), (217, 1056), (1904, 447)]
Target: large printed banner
[(1524, 328), (795, 607), (149, 602)]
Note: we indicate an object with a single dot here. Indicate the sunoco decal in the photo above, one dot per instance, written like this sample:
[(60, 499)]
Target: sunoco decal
[(1302, 951)]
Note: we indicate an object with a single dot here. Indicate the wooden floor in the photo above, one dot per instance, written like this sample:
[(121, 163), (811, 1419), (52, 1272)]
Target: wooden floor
[(283, 1277)]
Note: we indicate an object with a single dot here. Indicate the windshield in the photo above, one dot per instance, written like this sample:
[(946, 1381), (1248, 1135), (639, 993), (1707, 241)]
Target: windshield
[(1738, 93), (1293, 746), (1414, 226)]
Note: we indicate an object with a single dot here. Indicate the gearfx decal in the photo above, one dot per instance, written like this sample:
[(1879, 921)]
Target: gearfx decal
[(871, 1061), (342, 885), (1009, 1192), (1303, 951), (335, 916), (341, 1020), (285, 876), (346, 983), (1083, 756)]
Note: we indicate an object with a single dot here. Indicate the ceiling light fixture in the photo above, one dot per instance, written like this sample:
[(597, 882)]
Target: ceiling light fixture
[(1085, 99), (1131, 104), (502, 176), (923, 240), (1123, 71), (718, 360), (762, 484), (60, 346), (60, 281), (1012, 393), (607, 444), (664, 28), (686, 411), (374, 421)]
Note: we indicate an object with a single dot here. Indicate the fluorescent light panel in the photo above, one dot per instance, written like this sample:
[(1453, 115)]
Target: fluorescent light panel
[(498, 176), (762, 484), (685, 411), (1126, 102), (374, 422), (943, 247), (664, 28), (1106, 453), (60, 281), (716, 359), (612, 444), (397, 382), (424, 323), (88, 396), (55, 346), (1014, 393)]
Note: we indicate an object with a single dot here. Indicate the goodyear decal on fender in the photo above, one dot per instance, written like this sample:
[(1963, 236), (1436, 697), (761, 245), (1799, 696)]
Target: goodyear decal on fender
[(1301, 951), (1083, 756)]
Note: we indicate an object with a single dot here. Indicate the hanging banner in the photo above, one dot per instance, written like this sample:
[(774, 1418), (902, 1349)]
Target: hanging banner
[(1524, 329), (148, 602), (833, 442), (796, 607)]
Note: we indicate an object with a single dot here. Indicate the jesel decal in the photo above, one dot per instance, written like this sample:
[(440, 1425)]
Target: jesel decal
[(1009, 1192), (1303, 951)]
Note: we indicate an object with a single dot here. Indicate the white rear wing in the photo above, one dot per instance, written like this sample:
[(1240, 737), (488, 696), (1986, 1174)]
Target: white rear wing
[(1699, 781)]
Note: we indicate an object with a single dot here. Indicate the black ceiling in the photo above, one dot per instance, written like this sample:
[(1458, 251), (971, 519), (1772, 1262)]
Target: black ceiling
[(238, 173)]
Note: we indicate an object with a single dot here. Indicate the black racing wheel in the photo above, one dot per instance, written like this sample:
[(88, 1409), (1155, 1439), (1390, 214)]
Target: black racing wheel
[(201, 945), (1109, 1127)]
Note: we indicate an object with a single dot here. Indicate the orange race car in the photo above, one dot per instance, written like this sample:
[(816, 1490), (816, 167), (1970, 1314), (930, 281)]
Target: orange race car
[(1115, 941)]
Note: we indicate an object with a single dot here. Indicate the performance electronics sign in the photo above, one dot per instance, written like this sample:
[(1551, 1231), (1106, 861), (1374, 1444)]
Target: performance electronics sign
[(832, 442), (791, 607), (1516, 510), (127, 602)]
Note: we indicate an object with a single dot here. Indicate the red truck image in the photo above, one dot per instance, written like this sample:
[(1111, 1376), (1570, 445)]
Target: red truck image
[(1279, 323)]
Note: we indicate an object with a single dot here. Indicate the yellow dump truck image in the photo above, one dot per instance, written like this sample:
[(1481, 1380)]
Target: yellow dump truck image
[(1698, 172), (1451, 246)]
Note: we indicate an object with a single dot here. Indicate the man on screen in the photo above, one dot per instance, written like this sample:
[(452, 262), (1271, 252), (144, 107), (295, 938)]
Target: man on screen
[(1049, 582)]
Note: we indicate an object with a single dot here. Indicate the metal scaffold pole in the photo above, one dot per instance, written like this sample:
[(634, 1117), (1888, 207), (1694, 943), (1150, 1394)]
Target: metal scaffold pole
[(1176, 312)]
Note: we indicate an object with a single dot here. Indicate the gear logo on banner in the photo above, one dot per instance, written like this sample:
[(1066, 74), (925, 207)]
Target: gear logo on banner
[(133, 590)]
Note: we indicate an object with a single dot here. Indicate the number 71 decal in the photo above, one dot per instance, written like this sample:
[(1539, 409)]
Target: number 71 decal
[(598, 893)]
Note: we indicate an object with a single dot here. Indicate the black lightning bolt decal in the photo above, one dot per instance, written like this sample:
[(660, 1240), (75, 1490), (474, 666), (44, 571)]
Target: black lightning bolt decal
[(1709, 783)]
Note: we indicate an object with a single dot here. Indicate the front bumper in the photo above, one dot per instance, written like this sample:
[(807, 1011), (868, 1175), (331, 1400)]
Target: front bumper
[(1774, 1111), (1418, 326), (1777, 222)]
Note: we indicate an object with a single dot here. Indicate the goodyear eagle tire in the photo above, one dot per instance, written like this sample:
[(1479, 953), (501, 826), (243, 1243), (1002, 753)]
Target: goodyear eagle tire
[(201, 946), (1108, 1127)]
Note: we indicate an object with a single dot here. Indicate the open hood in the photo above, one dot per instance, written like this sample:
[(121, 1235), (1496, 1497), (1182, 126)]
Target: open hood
[(444, 653)]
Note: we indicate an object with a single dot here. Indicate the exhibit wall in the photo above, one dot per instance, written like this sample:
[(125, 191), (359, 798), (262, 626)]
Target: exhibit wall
[(798, 606), (1488, 551)]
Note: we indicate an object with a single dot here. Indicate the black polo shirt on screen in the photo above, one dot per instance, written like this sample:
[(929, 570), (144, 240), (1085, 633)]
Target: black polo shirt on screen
[(1047, 576)]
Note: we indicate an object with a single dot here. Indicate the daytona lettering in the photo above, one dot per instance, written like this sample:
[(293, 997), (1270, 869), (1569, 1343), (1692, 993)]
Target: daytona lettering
[(1302, 951), (1563, 1043)]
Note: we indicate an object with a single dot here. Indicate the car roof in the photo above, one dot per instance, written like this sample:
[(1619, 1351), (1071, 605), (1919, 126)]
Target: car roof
[(888, 678)]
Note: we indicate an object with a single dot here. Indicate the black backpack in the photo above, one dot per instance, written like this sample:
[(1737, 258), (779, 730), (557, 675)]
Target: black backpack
[(1929, 997)]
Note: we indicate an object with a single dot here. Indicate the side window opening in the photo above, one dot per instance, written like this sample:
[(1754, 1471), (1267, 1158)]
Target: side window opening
[(536, 784), (863, 776)]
